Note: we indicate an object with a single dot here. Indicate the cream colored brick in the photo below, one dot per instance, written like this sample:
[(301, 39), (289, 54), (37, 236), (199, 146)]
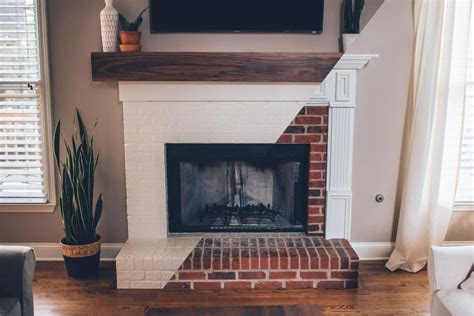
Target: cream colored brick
[(142, 284), (137, 276), (148, 264), (123, 284)]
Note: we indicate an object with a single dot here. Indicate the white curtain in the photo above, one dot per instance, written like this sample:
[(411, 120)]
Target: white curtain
[(433, 129)]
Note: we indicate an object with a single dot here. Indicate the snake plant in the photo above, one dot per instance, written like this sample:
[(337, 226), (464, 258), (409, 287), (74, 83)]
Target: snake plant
[(352, 16), (79, 215), (133, 25)]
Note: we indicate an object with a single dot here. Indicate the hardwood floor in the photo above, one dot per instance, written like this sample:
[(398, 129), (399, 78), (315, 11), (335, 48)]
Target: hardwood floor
[(380, 293)]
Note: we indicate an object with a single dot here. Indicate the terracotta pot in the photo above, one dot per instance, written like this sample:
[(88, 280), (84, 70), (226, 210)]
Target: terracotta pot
[(130, 37), (82, 261), (130, 48)]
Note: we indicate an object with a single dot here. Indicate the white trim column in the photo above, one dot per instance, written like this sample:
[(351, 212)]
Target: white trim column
[(339, 91)]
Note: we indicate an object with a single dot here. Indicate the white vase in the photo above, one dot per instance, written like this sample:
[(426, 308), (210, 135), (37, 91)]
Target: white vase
[(347, 40), (109, 27)]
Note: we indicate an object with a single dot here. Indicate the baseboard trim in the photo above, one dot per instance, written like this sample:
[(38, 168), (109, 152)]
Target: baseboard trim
[(373, 250), (459, 243), (365, 250), (52, 252)]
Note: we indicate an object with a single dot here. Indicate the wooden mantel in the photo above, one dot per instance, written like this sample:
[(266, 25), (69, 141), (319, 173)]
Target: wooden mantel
[(216, 66)]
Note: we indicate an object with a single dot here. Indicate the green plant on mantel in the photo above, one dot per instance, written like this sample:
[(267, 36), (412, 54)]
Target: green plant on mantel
[(352, 16), (80, 217), (131, 26)]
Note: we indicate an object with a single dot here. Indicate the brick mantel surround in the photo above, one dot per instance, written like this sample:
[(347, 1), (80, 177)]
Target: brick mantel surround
[(156, 113)]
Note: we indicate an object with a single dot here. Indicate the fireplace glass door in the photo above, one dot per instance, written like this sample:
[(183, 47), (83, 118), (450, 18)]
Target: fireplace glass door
[(237, 187)]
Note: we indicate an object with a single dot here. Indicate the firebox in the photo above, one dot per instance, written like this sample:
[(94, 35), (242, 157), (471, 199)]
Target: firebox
[(237, 187)]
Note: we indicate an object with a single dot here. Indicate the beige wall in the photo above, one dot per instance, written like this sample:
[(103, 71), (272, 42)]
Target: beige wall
[(74, 33), (381, 103), (461, 227)]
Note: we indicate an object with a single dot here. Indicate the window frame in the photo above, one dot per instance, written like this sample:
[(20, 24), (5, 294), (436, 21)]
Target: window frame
[(46, 104), (465, 207)]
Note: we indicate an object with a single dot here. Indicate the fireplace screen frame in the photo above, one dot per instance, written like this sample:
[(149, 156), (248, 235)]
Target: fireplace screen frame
[(179, 153)]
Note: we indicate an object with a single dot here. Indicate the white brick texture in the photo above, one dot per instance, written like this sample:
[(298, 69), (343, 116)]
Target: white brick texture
[(151, 263)]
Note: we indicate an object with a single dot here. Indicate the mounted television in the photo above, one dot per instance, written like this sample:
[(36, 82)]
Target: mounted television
[(259, 16)]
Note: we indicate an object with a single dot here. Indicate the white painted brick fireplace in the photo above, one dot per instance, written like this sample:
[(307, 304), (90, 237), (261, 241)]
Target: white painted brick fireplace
[(150, 124), (157, 113)]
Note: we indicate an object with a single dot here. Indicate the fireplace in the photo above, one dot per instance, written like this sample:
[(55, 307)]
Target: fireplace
[(237, 187), (220, 113)]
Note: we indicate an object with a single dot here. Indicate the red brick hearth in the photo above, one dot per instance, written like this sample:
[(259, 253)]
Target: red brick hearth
[(310, 126), (268, 263)]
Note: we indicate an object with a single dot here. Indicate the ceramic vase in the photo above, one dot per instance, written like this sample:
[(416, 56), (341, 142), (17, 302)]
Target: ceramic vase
[(348, 39), (109, 27)]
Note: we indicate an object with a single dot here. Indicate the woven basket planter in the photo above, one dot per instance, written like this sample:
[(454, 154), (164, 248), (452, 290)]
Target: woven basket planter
[(82, 261)]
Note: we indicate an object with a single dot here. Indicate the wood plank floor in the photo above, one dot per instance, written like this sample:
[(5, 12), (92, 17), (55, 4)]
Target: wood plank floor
[(380, 293)]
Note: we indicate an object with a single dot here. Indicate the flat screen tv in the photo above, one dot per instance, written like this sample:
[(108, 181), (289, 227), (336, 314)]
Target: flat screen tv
[(274, 16)]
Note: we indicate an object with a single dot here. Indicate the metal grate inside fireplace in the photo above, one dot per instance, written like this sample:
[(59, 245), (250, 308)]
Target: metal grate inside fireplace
[(237, 187)]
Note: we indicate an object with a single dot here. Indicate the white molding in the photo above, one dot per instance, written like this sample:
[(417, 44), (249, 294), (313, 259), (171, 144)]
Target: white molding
[(354, 61), (373, 250), (339, 176), (46, 101), (382, 250), (52, 252), (339, 88), (318, 99), (215, 92), (459, 243), (341, 135), (338, 219)]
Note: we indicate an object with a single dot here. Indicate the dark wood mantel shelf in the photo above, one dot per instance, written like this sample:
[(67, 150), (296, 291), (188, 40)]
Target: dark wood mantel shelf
[(200, 66)]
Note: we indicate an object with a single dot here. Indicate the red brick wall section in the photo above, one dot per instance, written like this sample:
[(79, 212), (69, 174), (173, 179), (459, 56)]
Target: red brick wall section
[(268, 263), (310, 126)]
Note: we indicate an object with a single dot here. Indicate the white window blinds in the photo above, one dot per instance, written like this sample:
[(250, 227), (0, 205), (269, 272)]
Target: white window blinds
[(465, 186), (22, 151)]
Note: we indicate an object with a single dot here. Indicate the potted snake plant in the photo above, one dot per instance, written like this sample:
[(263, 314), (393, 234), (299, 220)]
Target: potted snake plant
[(80, 215), (129, 35), (351, 22)]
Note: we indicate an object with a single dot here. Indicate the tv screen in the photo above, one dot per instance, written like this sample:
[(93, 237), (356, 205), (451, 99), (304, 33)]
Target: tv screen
[(298, 16)]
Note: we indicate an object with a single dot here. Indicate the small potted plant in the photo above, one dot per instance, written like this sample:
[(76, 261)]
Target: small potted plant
[(351, 22), (129, 35), (80, 215)]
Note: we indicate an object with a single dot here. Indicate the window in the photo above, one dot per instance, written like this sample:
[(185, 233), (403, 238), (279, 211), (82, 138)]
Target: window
[(464, 200), (25, 166)]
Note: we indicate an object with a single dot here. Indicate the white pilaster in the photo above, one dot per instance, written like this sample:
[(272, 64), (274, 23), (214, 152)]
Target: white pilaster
[(339, 91)]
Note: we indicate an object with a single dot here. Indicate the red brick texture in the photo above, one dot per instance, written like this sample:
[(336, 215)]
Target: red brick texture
[(310, 126), (268, 263)]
